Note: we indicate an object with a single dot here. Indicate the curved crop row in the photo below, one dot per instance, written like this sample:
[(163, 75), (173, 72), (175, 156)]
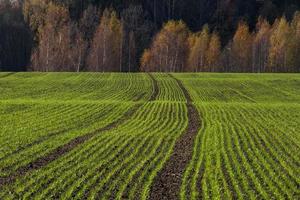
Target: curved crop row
[(248, 146), (242, 88), (41, 111), (76, 87), (116, 164), (169, 90), (245, 152), (35, 133)]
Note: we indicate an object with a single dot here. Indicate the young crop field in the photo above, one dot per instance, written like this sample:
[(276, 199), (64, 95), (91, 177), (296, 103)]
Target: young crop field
[(149, 136)]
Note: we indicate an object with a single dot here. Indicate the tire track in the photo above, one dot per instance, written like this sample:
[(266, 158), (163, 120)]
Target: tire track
[(64, 149), (45, 138), (8, 74), (168, 181), (155, 88)]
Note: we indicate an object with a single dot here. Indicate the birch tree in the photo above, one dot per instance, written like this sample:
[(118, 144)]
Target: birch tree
[(213, 53), (105, 54), (51, 54), (169, 49), (261, 45), (241, 48), (293, 47), (198, 51), (278, 46)]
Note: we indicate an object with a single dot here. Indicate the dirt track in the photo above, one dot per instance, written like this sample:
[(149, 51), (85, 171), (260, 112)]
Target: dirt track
[(168, 181), (64, 149), (155, 88), (8, 74)]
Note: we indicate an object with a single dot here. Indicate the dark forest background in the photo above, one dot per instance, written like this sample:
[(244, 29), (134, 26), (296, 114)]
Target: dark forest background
[(150, 35)]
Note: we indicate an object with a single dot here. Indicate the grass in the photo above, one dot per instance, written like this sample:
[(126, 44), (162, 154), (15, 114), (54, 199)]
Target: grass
[(247, 148)]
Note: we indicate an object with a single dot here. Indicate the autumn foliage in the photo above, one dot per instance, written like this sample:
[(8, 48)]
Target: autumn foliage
[(169, 50), (269, 48), (128, 41)]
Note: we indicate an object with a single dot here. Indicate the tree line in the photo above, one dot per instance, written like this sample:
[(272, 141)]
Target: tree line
[(45, 35), (269, 48)]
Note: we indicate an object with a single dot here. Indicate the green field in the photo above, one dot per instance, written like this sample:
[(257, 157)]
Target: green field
[(110, 136)]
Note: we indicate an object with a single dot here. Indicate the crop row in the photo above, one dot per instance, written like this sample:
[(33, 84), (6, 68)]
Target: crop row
[(41, 111), (116, 164), (136, 149), (169, 90), (248, 146), (245, 152), (231, 88), (72, 87), (38, 129)]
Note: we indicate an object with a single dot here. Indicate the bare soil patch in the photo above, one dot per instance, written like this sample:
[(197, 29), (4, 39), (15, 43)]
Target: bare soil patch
[(155, 88), (64, 149), (168, 181)]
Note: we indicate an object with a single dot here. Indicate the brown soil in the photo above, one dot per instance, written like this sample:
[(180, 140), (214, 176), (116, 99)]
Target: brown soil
[(42, 139), (228, 180), (155, 88), (168, 181), (64, 149)]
